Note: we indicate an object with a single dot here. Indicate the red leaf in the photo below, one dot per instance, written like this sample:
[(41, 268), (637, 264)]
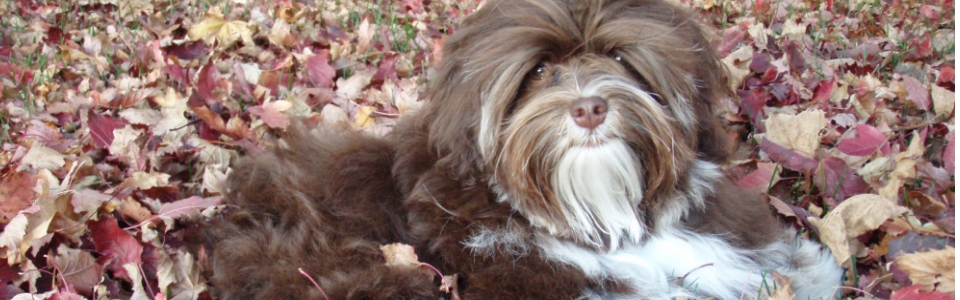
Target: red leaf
[(949, 153), (101, 128), (788, 158), (913, 293), (319, 69), (870, 139), (946, 75), (824, 90), (917, 93), (16, 193), (753, 104), (838, 181), (207, 82), (760, 179), (116, 246), (732, 37)]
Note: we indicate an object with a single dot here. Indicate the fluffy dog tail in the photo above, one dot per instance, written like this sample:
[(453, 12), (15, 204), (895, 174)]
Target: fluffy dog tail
[(322, 202)]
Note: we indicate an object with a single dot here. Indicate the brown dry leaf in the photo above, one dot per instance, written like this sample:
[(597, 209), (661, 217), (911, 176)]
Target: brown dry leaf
[(853, 217), (800, 132), (904, 170), (943, 100), (11, 237), (133, 270), (400, 255), (933, 269), (40, 157), (783, 292), (738, 62), (365, 34), (134, 210), (79, 268)]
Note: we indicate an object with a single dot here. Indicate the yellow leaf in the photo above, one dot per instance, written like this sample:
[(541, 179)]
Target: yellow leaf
[(933, 269), (363, 118), (853, 217), (904, 170), (215, 28), (206, 29)]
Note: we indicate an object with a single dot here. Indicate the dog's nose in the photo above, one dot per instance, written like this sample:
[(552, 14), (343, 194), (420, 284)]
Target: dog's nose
[(589, 112)]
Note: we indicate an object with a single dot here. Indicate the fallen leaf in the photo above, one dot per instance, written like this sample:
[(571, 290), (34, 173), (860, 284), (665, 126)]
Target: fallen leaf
[(78, 268), (869, 140), (215, 28), (188, 205), (904, 170), (88, 200), (761, 179), (851, 218), (319, 69), (917, 92), (943, 100), (913, 293), (41, 157), (800, 132), (116, 246), (363, 118), (933, 270), (134, 277), (400, 255), (11, 237), (102, 127), (788, 158), (272, 113), (16, 193)]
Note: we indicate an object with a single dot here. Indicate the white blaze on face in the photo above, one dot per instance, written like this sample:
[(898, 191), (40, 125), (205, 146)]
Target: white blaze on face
[(600, 188)]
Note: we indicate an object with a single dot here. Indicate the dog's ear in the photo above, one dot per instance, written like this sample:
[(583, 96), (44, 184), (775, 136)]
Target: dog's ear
[(713, 143), (484, 65)]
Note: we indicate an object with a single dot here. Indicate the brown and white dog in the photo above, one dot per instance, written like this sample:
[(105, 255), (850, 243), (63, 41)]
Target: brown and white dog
[(568, 150)]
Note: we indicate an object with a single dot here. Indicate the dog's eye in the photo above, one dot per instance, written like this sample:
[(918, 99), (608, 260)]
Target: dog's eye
[(618, 58), (538, 72)]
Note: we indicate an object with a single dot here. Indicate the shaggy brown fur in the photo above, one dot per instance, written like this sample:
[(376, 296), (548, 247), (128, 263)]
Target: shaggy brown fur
[(325, 202)]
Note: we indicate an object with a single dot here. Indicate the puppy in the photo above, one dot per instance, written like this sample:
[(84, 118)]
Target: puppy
[(568, 150)]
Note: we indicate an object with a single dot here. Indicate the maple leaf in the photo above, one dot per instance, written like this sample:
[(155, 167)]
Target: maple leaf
[(853, 217), (800, 133), (215, 28), (102, 127), (788, 158), (116, 247), (931, 270), (869, 141), (40, 157), (913, 293), (272, 113), (11, 237), (319, 69), (78, 268), (917, 93), (16, 193), (762, 178)]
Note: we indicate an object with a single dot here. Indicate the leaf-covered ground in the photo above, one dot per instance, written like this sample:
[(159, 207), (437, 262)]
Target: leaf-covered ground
[(120, 118)]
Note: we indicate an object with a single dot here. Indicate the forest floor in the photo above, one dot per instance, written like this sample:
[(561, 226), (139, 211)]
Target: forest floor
[(120, 120)]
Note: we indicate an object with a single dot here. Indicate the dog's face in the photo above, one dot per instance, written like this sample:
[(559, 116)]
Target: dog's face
[(585, 116)]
